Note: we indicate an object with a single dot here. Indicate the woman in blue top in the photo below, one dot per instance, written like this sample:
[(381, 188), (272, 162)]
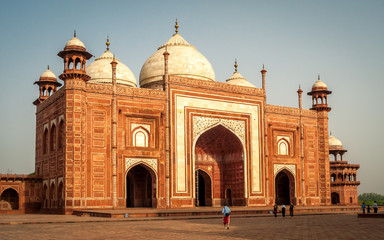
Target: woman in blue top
[(226, 212)]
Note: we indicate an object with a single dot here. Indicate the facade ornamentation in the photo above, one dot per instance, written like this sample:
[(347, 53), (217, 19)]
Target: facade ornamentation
[(289, 167), (145, 126), (200, 124), (152, 162)]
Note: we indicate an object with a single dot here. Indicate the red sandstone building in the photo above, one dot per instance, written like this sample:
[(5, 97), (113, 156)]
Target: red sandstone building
[(181, 139)]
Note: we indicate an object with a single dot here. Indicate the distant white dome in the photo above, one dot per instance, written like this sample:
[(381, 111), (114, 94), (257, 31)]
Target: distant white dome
[(319, 85), (184, 61), (75, 42), (238, 79), (334, 142), (100, 71)]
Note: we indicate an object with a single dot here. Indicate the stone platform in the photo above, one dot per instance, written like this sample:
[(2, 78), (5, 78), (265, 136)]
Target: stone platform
[(207, 211), (371, 215)]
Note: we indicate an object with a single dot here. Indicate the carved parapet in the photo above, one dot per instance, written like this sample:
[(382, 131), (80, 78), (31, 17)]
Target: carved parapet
[(290, 111), (127, 91), (53, 98), (218, 86)]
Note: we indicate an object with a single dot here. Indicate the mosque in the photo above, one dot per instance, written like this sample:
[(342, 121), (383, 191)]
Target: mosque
[(177, 138)]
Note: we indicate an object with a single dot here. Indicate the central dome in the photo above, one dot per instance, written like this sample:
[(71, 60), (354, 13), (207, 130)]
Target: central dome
[(184, 61)]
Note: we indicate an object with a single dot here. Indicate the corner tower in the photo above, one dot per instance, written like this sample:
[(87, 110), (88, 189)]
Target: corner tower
[(319, 95), (74, 76)]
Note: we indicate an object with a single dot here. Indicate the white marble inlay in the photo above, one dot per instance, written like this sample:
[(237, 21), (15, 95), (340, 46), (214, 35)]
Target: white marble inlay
[(145, 126), (151, 162), (289, 167), (200, 124)]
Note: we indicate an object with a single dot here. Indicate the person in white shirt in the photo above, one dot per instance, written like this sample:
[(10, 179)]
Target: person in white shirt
[(374, 206)]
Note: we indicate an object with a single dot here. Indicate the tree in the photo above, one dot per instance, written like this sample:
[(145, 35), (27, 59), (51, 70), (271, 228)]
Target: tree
[(369, 198)]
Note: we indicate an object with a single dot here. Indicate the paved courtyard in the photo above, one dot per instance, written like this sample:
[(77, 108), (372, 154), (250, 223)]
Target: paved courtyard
[(339, 226)]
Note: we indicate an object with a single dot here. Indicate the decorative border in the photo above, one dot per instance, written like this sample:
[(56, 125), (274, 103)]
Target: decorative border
[(289, 167), (200, 124), (145, 126), (152, 162)]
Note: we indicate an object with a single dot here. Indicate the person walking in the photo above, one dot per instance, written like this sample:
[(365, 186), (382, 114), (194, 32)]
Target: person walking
[(275, 208), (363, 207), (283, 210), (291, 210), (226, 212), (374, 205)]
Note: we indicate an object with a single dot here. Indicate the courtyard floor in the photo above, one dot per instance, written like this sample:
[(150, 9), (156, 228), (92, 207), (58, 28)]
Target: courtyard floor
[(335, 226)]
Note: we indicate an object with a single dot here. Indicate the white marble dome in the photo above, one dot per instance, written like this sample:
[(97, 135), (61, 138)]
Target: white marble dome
[(75, 42), (184, 61), (48, 74), (319, 85), (334, 142), (238, 79), (100, 71)]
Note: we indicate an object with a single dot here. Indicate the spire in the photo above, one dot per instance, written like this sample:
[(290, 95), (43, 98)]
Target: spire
[(235, 65), (318, 77), (48, 67), (74, 33), (176, 27), (107, 43)]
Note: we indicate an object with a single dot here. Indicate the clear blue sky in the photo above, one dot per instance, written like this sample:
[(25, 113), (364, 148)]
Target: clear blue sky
[(343, 41)]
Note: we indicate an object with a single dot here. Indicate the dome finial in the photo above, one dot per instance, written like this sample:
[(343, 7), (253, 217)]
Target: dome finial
[(318, 77), (176, 26), (235, 65), (330, 133), (48, 67), (74, 33), (107, 43)]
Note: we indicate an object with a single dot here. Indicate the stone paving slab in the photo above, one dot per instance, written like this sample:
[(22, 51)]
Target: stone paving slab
[(335, 226)]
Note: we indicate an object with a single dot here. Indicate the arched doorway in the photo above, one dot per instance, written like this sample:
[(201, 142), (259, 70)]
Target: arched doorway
[(204, 189), (141, 187), (219, 152), (284, 188), (228, 197), (11, 197), (335, 199)]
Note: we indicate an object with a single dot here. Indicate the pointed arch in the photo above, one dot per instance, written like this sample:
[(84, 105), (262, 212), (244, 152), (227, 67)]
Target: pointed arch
[(45, 141), (11, 196), (140, 137), (53, 137), (221, 153), (283, 147)]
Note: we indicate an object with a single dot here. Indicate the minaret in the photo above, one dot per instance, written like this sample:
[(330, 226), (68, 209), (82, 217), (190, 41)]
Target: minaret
[(263, 72), (299, 93), (319, 95), (47, 85), (114, 134), (74, 76)]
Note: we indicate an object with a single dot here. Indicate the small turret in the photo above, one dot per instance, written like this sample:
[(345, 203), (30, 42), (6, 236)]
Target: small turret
[(319, 96), (47, 85), (75, 57)]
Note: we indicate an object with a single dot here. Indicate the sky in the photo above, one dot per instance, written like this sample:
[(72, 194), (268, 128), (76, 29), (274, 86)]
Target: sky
[(343, 41)]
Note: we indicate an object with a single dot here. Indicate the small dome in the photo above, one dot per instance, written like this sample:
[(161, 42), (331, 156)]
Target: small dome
[(319, 85), (334, 142), (75, 42), (238, 79), (184, 61), (48, 74), (100, 71)]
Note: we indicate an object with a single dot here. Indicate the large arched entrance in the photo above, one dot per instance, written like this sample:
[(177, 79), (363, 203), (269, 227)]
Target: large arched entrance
[(141, 187), (219, 153), (11, 197), (284, 188)]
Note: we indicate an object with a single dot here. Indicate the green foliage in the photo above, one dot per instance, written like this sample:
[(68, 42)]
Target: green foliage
[(368, 198)]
